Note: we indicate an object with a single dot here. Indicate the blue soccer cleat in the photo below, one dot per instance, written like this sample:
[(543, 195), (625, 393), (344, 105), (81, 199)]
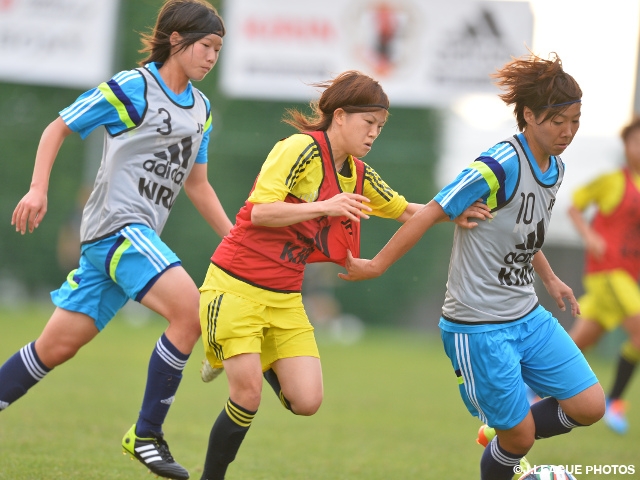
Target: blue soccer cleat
[(615, 416)]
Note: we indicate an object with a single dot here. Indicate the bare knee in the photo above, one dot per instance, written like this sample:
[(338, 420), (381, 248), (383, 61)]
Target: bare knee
[(187, 314), (306, 406), (301, 382), (184, 328), (247, 393), (175, 297), (246, 399), (189, 322), (590, 414), (519, 439), (54, 354), (587, 407), (517, 443), (63, 336)]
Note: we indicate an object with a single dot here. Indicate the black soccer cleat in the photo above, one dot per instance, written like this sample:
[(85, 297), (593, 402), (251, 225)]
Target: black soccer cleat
[(154, 454)]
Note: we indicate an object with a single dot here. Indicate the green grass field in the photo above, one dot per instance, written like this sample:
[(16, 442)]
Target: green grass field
[(391, 411)]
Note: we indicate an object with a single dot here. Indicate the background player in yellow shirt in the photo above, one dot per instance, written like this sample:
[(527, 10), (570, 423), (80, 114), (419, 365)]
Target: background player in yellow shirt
[(612, 242)]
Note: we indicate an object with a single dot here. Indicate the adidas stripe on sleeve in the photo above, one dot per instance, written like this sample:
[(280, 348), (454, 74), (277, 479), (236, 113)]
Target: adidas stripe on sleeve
[(492, 177), (118, 104)]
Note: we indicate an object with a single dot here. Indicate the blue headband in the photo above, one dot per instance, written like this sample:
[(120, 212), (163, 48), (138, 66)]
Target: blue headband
[(563, 104)]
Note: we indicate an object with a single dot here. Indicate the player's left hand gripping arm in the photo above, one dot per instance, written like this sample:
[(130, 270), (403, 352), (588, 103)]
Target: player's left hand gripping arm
[(204, 198), (32, 208), (401, 242), (477, 209), (556, 287)]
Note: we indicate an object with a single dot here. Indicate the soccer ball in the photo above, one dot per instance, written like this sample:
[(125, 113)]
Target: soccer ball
[(547, 472)]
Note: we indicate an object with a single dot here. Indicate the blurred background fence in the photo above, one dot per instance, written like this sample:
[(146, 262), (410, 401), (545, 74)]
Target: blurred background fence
[(244, 133), (408, 155)]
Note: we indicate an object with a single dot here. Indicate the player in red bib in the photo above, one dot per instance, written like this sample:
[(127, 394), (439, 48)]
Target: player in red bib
[(305, 206), (612, 267)]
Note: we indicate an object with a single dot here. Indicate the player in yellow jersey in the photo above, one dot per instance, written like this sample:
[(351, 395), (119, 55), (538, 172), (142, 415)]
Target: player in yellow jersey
[(612, 242), (306, 206)]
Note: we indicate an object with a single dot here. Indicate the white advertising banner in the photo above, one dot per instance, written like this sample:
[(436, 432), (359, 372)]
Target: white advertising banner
[(424, 52), (57, 42)]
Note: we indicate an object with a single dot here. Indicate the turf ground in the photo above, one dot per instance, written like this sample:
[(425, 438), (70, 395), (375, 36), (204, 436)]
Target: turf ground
[(391, 411)]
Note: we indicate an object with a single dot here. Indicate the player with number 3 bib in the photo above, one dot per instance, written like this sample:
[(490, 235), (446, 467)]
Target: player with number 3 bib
[(157, 128)]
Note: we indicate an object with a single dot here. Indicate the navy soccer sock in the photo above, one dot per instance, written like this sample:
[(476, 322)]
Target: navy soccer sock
[(623, 375), (550, 419), (165, 372), (497, 463), (271, 377), (225, 439), (18, 374), (629, 356)]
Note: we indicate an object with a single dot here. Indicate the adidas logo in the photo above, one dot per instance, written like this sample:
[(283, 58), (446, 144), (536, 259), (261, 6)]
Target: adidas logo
[(535, 239), (149, 453), (168, 401), (172, 166), (512, 275), (175, 164), (472, 50)]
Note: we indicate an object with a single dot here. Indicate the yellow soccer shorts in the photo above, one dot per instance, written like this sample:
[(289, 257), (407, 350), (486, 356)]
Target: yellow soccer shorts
[(609, 298), (233, 324)]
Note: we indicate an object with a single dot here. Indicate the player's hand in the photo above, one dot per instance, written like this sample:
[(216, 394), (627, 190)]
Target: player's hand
[(30, 211), (560, 291), (358, 269), (595, 245), (478, 210), (350, 205)]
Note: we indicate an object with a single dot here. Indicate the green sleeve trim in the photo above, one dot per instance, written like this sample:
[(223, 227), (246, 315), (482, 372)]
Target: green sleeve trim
[(492, 181), (117, 104)]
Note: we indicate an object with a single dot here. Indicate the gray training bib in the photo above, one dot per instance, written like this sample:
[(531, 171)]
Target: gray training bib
[(144, 168), (490, 272)]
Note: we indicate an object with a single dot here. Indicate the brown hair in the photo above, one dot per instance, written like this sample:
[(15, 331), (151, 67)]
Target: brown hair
[(634, 125), (352, 91), (542, 85), (192, 19)]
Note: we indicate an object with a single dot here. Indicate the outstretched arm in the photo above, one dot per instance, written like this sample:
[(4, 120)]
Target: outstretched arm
[(204, 198), (478, 210), (411, 209), (282, 214), (32, 208), (556, 287), (403, 240)]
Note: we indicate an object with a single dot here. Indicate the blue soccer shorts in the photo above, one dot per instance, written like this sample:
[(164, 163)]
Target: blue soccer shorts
[(113, 270), (493, 366)]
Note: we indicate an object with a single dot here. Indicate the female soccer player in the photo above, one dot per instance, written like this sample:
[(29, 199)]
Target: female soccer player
[(157, 129), (305, 206), (494, 331), (612, 241)]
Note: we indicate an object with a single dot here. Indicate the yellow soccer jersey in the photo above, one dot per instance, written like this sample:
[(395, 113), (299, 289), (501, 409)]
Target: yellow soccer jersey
[(294, 166), (605, 192)]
